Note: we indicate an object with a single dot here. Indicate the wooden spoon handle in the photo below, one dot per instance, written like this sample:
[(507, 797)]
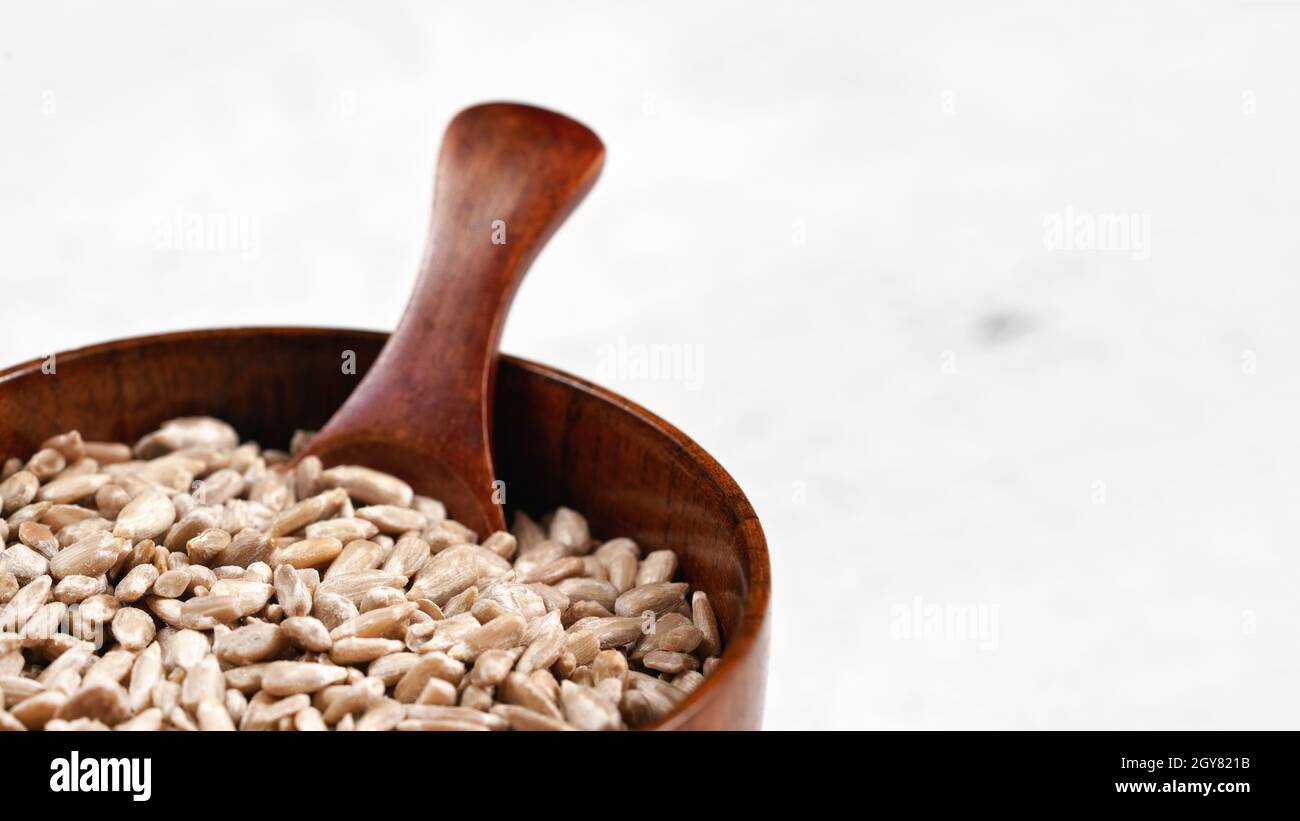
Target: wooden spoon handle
[(508, 175)]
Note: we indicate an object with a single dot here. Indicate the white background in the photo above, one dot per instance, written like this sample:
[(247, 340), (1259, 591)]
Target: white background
[(1088, 460)]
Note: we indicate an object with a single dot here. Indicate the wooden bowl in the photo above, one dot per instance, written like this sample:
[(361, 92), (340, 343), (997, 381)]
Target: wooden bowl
[(557, 440)]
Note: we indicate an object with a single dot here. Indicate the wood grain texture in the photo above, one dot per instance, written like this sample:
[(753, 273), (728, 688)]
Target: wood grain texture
[(558, 440), (508, 175)]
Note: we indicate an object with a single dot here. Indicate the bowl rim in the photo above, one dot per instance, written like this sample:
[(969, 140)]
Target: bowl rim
[(747, 640)]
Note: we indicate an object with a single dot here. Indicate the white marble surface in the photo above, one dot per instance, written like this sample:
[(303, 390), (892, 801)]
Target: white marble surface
[(843, 211)]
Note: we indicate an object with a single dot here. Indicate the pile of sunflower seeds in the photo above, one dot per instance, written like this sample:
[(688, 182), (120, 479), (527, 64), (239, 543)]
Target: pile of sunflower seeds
[(191, 582)]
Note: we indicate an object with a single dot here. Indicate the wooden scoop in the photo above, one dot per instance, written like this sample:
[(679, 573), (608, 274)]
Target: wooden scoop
[(508, 175)]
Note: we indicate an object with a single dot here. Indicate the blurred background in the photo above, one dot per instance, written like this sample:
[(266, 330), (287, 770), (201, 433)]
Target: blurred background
[(992, 314)]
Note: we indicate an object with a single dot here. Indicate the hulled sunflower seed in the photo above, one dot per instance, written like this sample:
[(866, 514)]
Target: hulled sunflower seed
[(24, 563), (586, 709), (18, 490), (356, 650), (669, 662), (98, 699), (250, 644), (438, 692), (172, 584), (658, 566), (309, 552), (707, 623), (316, 599), (133, 628), (370, 487), (659, 597), (138, 581), (308, 511), (76, 589), (89, 557), (307, 633), (39, 538), (345, 530), (146, 516), (285, 678)]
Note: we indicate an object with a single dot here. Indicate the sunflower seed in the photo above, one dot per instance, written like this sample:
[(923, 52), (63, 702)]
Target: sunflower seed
[(204, 682), (306, 633), (503, 544), (446, 574), (110, 500), (668, 662), (309, 719), (172, 584), (393, 519), (100, 700), (357, 555), (437, 692), (523, 691), (386, 616), (433, 666), (308, 552), (375, 623), (187, 432), (353, 586), (611, 631), (478, 718), (46, 463), (133, 628), (146, 516), (57, 517), (69, 445), (622, 568), (345, 530), (212, 716), (106, 453), (385, 715), (367, 486), (408, 555), (584, 645), (658, 566), (39, 538), (580, 589), (332, 609), (285, 678), (659, 597), (586, 709), (250, 644), (24, 563), (89, 557), (291, 591), (308, 511), (545, 648), (149, 720), (356, 650), (145, 673), (18, 490), (207, 545), (220, 487), (502, 632)]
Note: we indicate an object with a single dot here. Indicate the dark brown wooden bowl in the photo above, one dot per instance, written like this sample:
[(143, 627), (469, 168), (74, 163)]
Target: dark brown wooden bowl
[(557, 440)]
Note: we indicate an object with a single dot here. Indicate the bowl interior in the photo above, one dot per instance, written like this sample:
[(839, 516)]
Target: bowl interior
[(557, 440)]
